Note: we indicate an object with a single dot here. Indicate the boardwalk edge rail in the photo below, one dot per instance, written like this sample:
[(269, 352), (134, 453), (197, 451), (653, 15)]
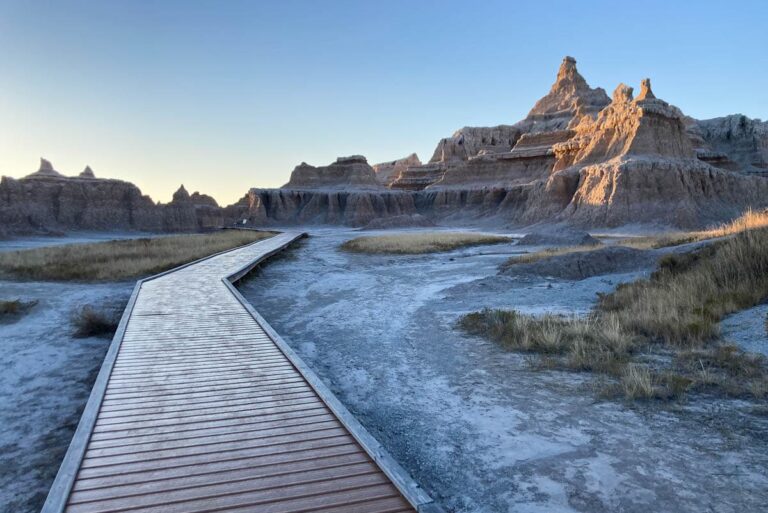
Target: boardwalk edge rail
[(61, 488), (410, 489)]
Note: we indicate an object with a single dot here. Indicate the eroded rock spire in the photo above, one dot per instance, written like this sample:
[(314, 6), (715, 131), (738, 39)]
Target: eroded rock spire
[(623, 93), (569, 91), (45, 166), (645, 90)]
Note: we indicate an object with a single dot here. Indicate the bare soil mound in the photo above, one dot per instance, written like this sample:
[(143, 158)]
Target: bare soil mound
[(578, 266), (558, 237)]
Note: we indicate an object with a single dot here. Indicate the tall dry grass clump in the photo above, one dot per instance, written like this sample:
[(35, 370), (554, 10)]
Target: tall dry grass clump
[(419, 242), (89, 321), (686, 297), (122, 259), (14, 307), (750, 220), (593, 343)]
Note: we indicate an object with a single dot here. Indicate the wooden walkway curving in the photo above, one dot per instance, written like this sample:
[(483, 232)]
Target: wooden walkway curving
[(200, 406)]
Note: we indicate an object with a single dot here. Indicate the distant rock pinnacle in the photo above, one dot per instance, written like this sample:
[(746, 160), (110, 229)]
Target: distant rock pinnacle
[(645, 90)]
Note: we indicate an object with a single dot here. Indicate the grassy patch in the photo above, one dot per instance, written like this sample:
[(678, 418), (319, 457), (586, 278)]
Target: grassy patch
[(591, 343), (418, 243), (89, 321), (673, 315), (683, 301), (119, 260), (10, 309)]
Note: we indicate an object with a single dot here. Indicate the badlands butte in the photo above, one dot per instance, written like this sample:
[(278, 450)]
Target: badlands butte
[(579, 157)]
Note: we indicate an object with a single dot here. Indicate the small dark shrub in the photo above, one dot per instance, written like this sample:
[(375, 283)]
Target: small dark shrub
[(15, 308), (90, 322)]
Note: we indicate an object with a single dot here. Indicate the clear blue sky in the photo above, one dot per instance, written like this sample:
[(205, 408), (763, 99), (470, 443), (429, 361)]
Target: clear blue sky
[(225, 95)]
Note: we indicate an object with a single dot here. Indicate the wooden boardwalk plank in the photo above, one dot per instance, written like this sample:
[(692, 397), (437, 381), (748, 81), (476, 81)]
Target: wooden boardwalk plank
[(201, 407)]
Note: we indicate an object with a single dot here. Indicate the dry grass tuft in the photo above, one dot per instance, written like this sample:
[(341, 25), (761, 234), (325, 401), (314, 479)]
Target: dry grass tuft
[(637, 382), (750, 220), (15, 307), (119, 260), (584, 344), (418, 243), (90, 322)]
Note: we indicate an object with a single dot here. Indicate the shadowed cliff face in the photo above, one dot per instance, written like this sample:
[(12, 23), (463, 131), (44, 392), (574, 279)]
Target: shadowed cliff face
[(742, 141), (47, 201), (358, 208)]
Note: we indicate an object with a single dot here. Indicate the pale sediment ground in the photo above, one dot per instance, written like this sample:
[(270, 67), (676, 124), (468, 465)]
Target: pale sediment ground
[(471, 422), (45, 382), (748, 329), (46, 374)]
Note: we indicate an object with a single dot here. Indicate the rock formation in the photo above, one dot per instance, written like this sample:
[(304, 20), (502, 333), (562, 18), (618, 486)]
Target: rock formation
[(570, 95), (45, 171), (87, 173), (47, 201), (636, 163), (387, 172), (416, 178), (733, 142), (469, 141), (351, 171), (192, 212), (642, 126), (510, 154), (577, 157)]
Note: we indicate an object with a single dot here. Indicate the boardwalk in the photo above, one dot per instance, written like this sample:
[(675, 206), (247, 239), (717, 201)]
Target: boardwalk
[(200, 406)]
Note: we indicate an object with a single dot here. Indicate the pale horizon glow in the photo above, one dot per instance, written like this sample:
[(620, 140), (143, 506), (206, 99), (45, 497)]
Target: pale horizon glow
[(224, 96)]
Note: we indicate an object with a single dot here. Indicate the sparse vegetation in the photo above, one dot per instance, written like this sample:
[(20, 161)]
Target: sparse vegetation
[(91, 322), (529, 258), (421, 242), (683, 301), (673, 315), (590, 343), (119, 260), (14, 308), (749, 221)]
